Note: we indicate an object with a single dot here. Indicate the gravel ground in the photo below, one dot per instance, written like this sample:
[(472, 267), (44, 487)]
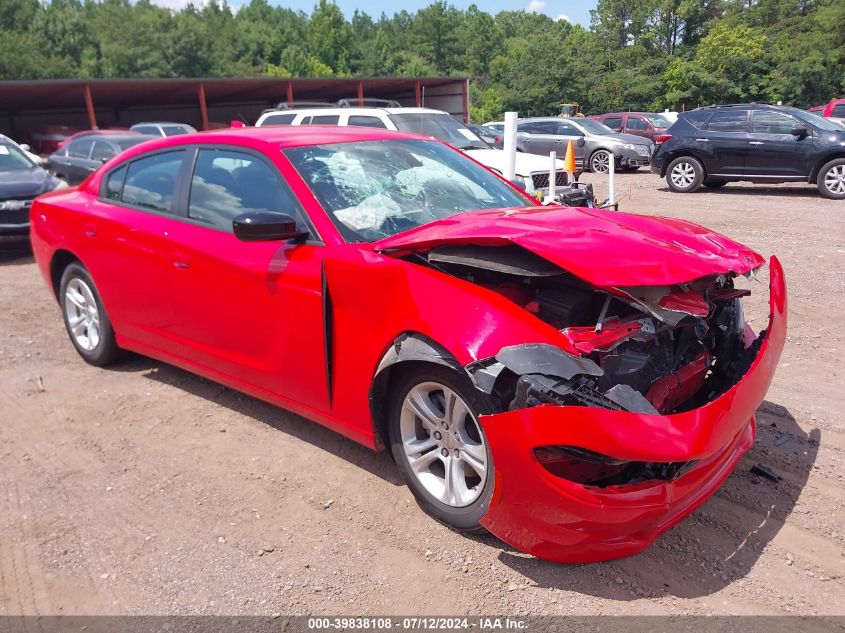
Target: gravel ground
[(142, 489)]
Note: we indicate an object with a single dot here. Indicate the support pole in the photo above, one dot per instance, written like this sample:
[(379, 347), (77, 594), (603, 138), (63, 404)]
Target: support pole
[(89, 105), (466, 101), (418, 92), (510, 145), (360, 94), (611, 181), (203, 107), (289, 95), (552, 174)]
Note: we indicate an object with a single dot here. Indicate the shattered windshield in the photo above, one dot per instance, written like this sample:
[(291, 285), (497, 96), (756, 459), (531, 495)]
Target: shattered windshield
[(375, 189), (442, 126)]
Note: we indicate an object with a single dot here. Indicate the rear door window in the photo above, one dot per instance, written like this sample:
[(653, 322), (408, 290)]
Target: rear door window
[(80, 148), (698, 118), (729, 121), (102, 151), (613, 122), (151, 181), (325, 119), (838, 110), (538, 127), (279, 119), (366, 121)]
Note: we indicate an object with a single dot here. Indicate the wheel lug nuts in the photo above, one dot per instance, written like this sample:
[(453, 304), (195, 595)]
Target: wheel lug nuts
[(444, 452), (437, 435), (445, 427)]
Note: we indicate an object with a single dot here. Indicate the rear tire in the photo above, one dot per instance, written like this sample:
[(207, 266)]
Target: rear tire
[(831, 179), (85, 318), (715, 184), (684, 174), (434, 432)]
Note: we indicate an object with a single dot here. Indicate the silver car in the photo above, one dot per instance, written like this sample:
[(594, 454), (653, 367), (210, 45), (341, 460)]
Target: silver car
[(544, 135)]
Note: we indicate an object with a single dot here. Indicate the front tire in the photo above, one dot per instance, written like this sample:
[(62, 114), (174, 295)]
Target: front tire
[(600, 161), (684, 174), (440, 447), (86, 321), (831, 179)]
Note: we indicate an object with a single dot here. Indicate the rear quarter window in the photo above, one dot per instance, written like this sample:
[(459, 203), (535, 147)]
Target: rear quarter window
[(279, 119), (697, 118), (838, 110)]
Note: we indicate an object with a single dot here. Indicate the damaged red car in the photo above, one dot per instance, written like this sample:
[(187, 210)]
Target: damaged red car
[(575, 381)]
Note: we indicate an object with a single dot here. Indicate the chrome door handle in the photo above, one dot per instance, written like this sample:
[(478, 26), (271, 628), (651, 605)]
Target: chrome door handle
[(756, 143), (181, 264), (703, 140)]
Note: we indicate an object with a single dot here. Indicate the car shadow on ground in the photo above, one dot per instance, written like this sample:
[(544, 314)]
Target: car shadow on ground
[(376, 463), (719, 543), (14, 253), (714, 547), (735, 189)]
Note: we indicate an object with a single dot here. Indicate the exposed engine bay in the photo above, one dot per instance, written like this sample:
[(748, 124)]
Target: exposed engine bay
[(653, 350)]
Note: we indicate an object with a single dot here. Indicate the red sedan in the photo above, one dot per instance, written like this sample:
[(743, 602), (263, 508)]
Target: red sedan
[(576, 381)]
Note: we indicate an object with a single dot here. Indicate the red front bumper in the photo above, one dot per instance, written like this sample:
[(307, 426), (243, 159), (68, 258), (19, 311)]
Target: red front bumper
[(559, 520)]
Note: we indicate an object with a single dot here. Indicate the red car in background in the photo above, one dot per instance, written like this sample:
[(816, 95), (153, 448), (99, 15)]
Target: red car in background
[(834, 109), (647, 124), (574, 380)]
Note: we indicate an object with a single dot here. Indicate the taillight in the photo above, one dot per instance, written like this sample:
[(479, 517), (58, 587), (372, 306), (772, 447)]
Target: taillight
[(662, 139)]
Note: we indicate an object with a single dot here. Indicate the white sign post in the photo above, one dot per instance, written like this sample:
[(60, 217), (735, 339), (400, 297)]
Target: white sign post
[(553, 156), (611, 181), (510, 145)]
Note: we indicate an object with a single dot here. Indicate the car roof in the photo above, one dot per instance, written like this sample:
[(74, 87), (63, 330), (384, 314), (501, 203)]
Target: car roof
[(280, 137), (353, 110), (161, 123), (747, 106)]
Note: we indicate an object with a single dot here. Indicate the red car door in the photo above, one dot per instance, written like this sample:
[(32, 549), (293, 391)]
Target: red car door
[(250, 310)]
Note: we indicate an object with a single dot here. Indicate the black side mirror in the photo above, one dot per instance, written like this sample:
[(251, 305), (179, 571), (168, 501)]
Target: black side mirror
[(800, 132), (265, 226), (580, 142)]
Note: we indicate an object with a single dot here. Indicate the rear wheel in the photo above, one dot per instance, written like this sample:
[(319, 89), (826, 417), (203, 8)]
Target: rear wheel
[(85, 318), (684, 174), (439, 445), (831, 179)]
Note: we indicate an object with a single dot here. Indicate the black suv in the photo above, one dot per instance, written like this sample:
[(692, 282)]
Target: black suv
[(759, 143)]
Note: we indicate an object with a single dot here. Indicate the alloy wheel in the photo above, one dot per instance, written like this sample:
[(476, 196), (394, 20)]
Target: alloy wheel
[(443, 444), (683, 175), (834, 180), (600, 162), (82, 314)]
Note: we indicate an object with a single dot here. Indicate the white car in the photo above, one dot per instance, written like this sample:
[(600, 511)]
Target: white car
[(162, 128), (532, 171)]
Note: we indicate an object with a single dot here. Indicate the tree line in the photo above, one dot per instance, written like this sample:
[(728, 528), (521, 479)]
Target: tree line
[(636, 55)]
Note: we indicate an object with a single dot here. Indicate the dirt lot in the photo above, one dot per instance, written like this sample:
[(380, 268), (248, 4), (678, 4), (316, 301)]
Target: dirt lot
[(143, 489)]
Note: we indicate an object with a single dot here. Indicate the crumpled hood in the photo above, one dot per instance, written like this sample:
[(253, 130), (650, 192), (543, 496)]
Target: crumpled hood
[(605, 248), (23, 182)]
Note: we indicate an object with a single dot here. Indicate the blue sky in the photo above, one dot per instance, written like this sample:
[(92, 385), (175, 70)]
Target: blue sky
[(572, 10)]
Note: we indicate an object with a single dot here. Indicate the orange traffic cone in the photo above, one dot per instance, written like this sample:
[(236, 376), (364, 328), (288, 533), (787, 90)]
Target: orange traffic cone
[(569, 161)]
